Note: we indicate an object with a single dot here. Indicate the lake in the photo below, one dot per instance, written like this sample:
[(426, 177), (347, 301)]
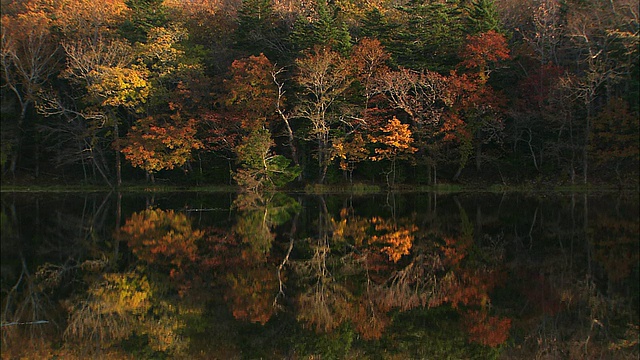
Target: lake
[(297, 276)]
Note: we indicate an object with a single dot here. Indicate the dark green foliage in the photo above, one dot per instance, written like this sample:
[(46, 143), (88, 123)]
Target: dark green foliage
[(260, 30), (483, 16), (145, 14), (327, 30), (376, 26), (259, 167), (429, 37)]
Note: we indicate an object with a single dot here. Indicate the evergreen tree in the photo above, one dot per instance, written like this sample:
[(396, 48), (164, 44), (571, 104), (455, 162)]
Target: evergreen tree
[(327, 29), (430, 36), (483, 16), (145, 15), (375, 25), (260, 30)]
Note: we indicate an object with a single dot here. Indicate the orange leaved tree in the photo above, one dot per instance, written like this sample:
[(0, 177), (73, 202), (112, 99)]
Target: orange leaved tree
[(152, 145), (396, 144)]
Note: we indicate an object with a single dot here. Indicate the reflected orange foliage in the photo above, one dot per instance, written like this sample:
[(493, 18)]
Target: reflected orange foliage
[(162, 237), (487, 330), (251, 293), (370, 322), (398, 239)]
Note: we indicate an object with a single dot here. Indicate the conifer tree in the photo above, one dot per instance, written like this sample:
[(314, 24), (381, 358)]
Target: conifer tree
[(325, 30), (483, 16), (429, 37), (145, 15), (260, 30)]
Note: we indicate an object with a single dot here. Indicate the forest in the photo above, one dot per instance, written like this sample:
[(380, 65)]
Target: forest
[(265, 93)]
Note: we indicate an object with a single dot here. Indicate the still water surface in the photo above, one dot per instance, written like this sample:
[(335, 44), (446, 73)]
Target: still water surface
[(385, 276)]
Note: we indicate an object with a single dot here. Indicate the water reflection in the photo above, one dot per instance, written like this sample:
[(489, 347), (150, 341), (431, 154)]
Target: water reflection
[(277, 276)]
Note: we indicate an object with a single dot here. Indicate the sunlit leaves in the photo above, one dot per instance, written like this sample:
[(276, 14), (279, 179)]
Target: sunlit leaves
[(251, 91), (152, 146), (396, 140), (87, 19), (116, 86), (482, 50), (161, 54), (396, 144), (350, 151)]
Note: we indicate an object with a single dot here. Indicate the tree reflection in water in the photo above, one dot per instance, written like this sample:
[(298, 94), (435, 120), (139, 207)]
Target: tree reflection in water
[(274, 277)]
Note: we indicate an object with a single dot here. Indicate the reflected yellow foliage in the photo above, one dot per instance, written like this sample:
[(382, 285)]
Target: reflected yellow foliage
[(110, 310)]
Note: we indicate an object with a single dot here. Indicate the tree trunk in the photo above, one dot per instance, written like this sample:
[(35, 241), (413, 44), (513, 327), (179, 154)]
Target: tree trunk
[(478, 156), (116, 136), (585, 150)]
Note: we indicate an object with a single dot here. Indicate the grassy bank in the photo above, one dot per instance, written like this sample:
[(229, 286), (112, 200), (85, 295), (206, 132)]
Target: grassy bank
[(319, 189)]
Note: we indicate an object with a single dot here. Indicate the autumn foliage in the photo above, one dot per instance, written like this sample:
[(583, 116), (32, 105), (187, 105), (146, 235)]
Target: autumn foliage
[(162, 237), (154, 148)]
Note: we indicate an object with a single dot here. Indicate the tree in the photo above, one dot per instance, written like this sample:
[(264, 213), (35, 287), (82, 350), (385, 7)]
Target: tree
[(143, 16), (396, 141), (109, 85), (479, 106), (482, 50), (350, 152), (428, 36), (262, 30), (259, 167), (377, 24), (114, 87), (483, 16), (167, 136), (369, 58), (28, 57), (324, 29), (615, 140), (154, 145), (87, 20), (324, 77), (428, 99), (595, 31), (251, 91)]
